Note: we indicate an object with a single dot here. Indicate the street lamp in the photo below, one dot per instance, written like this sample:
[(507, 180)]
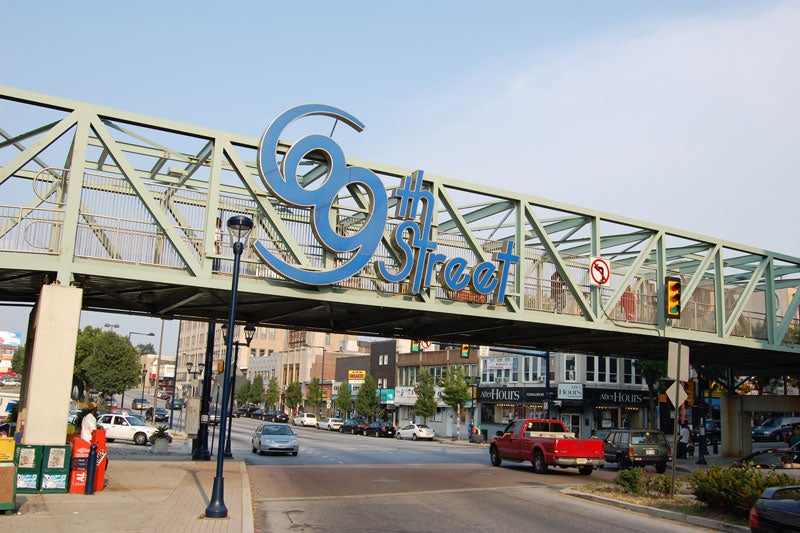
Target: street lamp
[(111, 326), (249, 333), (122, 401), (144, 375), (240, 227)]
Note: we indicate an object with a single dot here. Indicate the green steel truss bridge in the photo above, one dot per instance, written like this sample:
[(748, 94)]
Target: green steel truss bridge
[(125, 206)]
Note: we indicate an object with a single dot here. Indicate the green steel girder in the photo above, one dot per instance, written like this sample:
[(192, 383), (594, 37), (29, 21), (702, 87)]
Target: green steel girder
[(174, 180)]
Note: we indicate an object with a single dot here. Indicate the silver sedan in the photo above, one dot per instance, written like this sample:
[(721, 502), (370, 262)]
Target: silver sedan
[(275, 438)]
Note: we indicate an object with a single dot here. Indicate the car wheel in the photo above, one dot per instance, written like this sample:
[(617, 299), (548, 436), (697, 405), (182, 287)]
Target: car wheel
[(397, 436), (624, 462), (139, 438), (661, 468), (365, 433), (294, 454), (778, 437), (255, 449), (494, 456), (585, 470), (109, 440), (539, 465), (341, 430), (413, 436)]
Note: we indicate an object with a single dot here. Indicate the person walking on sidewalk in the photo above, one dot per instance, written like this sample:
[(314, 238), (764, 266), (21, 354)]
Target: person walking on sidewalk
[(683, 440), (89, 423)]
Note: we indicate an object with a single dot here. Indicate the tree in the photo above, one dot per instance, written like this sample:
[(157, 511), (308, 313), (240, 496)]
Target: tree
[(18, 361), (425, 405), (314, 394), (243, 393), (367, 399), (273, 394), (652, 372), (256, 390), (145, 349), (455, 392), (294, 395), (113, 365), (343, 399)]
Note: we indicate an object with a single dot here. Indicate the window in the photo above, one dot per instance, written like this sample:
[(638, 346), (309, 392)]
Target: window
[(383, 359), (407, 376), (271, 333), (601, 369), (569, 367), (630, 374), (533, 368)]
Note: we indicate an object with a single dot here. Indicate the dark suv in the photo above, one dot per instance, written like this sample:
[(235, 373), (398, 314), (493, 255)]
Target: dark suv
[(638, 447), (713, 431)]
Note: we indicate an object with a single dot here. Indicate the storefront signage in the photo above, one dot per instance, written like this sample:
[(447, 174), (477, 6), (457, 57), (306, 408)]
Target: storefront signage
[(620, 397), (412, 240), (570, 391), (511, 394), (356, 376), (500, 363)]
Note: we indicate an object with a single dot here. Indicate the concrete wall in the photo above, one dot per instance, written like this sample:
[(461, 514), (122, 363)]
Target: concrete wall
[(49, 365), (735, 418)]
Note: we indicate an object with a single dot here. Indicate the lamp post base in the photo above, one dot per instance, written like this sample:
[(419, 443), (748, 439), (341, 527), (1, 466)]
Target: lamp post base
[(216, 507)]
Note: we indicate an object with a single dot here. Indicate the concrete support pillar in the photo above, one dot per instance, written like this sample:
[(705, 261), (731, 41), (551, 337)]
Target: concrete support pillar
[(49, 361)]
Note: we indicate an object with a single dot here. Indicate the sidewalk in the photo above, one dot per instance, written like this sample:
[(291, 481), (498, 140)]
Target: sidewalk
[(144, 492)]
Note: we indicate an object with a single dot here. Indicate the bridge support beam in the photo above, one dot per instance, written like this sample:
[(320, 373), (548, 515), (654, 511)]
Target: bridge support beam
[(49, 361), (736, 412)]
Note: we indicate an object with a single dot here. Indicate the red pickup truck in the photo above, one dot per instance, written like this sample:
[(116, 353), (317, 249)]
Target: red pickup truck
[(545, 443)]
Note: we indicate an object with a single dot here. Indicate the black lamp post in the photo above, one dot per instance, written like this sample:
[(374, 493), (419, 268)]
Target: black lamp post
[(249, 333), (122, 401), (144, 376), (239, 227)]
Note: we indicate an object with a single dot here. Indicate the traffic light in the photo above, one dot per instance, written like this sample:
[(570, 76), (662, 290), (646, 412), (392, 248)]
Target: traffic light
[(220, 366), (673, 297), (465, 350), (414, 346), (690, 392)]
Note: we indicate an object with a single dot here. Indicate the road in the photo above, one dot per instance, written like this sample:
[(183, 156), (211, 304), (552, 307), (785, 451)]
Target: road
[(348, 482)]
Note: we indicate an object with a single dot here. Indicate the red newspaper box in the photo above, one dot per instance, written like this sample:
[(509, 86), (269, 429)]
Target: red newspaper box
[(99, 438), (78, 463)]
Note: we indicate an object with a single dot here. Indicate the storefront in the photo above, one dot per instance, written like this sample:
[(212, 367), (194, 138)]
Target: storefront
[(500, 405), (618, 408)]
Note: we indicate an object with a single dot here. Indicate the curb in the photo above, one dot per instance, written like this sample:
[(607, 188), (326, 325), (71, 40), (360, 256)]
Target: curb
[(660, 513)]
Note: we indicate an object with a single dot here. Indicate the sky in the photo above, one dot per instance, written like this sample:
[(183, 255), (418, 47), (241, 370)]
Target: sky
[(624, 107)]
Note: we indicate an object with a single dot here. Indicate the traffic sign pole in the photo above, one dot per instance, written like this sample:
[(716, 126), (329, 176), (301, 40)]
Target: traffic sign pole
[(676, 404)]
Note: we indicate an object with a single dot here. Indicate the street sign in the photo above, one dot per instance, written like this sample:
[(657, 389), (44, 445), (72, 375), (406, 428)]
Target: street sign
[(600, 271), (672, 361), (671, 390)]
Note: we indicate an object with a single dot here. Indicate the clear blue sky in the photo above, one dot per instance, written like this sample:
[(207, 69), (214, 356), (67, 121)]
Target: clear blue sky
[(600, 104)]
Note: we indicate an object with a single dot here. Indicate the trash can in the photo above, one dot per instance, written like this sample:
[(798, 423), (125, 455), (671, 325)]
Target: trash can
[(55, 469), (28, 458)]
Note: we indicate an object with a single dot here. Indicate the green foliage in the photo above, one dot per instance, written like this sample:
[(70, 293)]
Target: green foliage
[(455, 391), (273, 394), (632, 481), (294, 395), (105, 362), (343, 398), (735, 489), (313, 393), (243, 394), (661, 484), (426, 395), (367, 399), (18, 361), (160, 433), (257, 390)]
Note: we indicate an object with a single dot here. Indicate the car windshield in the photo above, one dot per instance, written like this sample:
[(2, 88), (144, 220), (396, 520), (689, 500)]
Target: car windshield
[(770, 422), (135, 421), (276, 430), (422, 426)]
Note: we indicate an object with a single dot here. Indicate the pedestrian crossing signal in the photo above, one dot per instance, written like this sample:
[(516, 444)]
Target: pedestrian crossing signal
[(673, 297), (414, 346), (465, 350)]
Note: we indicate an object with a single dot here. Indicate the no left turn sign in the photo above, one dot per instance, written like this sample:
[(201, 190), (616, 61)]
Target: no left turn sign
[(600, 271)]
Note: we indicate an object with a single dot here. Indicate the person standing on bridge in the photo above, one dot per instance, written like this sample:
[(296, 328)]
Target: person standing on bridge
[(557, 292)]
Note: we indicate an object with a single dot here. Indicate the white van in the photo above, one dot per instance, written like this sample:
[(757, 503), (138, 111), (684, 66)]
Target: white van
[(775, 429)]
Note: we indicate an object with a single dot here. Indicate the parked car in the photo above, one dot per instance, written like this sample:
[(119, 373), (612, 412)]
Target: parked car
[(247, 410), (125, 427), (379, 428), (775, 429), (638, 447), (305, 419), (276, 416), (353, 426), (771, 458), (214, 415), (175, 403), (236, 412), (275, 438), (777, 510), (257, 414), (162, 415), (140, 404), (713, 431), (331, 424), (415, 432)]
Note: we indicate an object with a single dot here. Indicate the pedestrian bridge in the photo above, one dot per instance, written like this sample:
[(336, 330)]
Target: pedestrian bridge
[(126, 207)]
